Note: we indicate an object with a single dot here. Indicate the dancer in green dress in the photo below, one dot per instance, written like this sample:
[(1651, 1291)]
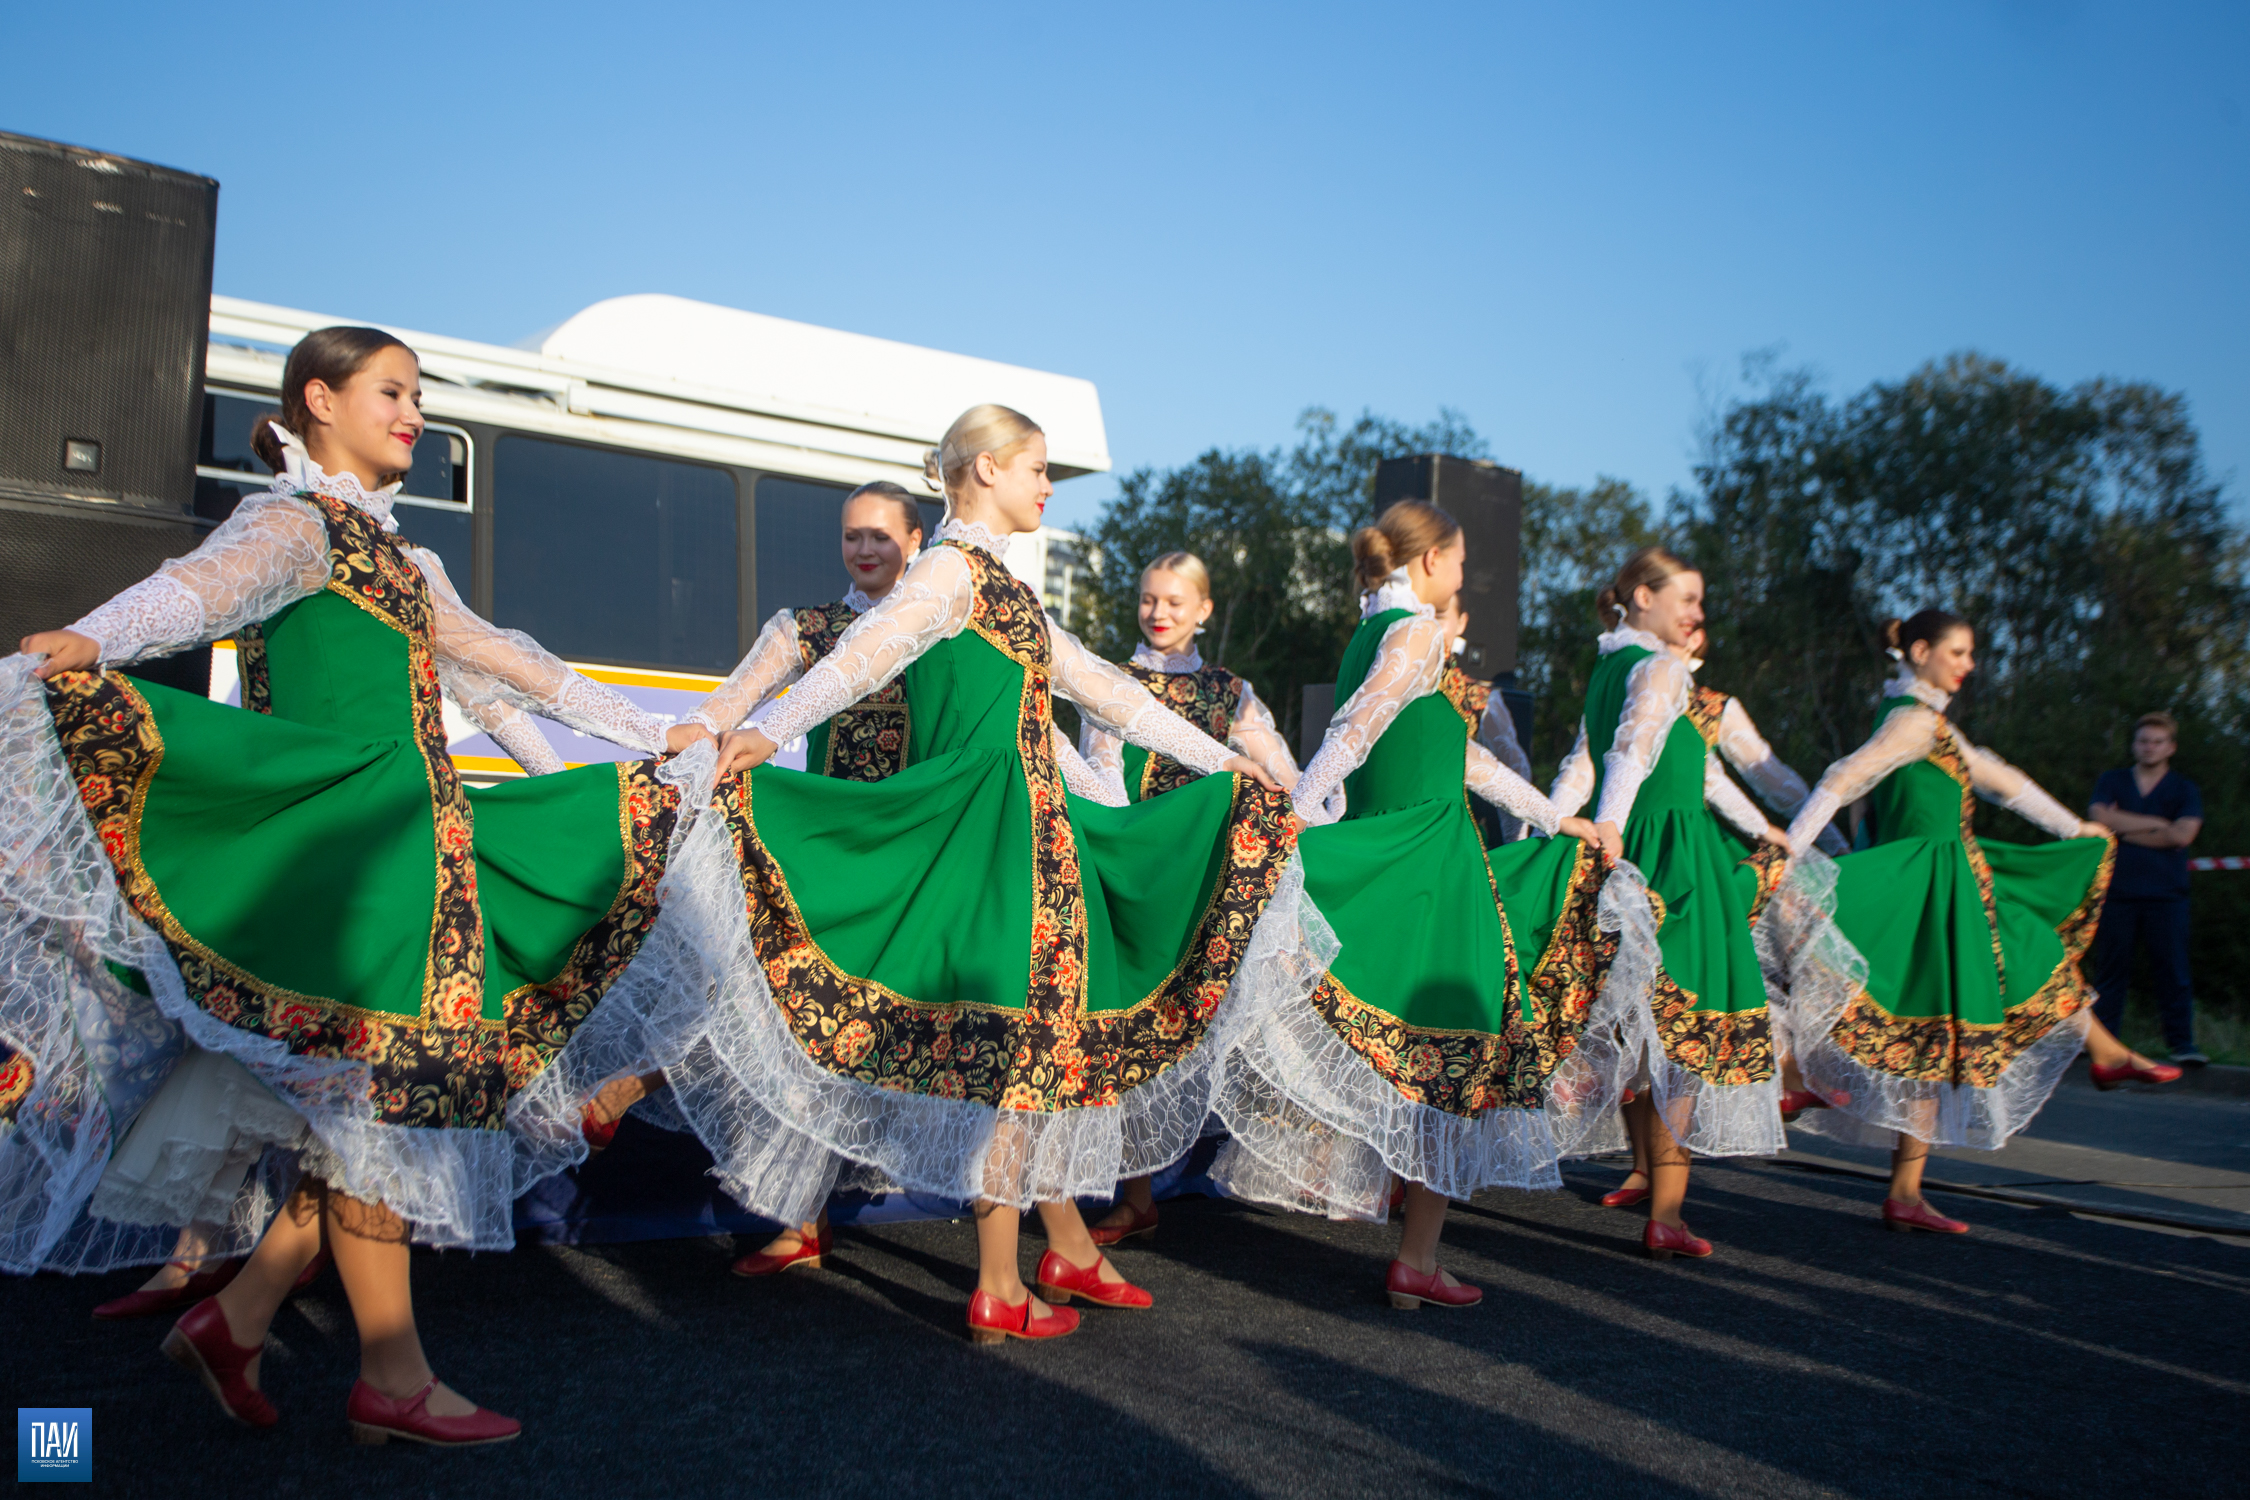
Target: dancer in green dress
[(1953, 1003), (1175, 603), (1699, 1057), (962, 977), (868, 741), (1428, 1051), (404, 965)]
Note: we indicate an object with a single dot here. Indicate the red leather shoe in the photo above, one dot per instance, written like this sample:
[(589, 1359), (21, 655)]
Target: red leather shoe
[(1662, 1242), (1624, 1197), (2132, 1072), (311, 1273), (201, 1342), (598, 1134), (1059, 1281), (807, 1254), (1908, 1217), (1409, 1288), (375, 1418), (1795, 1102), (145, 1303), (991, 1320), (1110, 1234)]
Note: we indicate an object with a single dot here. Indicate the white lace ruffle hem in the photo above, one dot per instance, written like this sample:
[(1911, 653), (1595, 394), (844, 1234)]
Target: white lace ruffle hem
[(1817, 971), (776, 1122), (1316, 1129)]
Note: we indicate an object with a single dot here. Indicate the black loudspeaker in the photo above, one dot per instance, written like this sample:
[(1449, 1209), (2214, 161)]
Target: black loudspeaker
[(105, 312), (1488, 502)]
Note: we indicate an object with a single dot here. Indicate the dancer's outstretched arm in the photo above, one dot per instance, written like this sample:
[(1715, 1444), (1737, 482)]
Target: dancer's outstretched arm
[(1115, 699), (1906, 736), (775, 660), (1998, 782), (1771, 777), (1256, 735)]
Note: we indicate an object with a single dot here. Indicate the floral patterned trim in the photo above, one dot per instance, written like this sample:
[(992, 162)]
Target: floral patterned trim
[(1467, 694), (1728, 1047), (542, 1018), (252, 667), (1049, 1054), (1946, 755), (867, 741), (1770, 862), (1206, 698), (1468, 1072), (17, 1074), (1704, 706), (422, 1074), (1941, 1049)]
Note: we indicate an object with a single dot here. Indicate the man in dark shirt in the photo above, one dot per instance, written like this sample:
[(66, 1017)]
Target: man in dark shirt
[(2156, 813)]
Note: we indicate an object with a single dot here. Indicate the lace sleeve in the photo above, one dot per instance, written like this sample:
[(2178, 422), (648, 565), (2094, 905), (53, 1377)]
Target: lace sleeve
[(1656, 694), (1997, 781), (1256, 735), (1104, 751), (1114, 699), (1082, 778), (931, 603), (1496, 731), (271, 552), (512, 730), (775, 661), (1779, 787), (1407, 665), (1904, 737), (1504, 789), (486, 664), (1574, 778), (1727, 800)]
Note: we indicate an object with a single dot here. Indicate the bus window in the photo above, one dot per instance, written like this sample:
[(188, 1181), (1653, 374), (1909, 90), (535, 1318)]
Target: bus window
[(615, 557)]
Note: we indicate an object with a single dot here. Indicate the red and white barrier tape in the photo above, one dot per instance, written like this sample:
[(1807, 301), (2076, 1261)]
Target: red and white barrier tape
[(2223, 862)]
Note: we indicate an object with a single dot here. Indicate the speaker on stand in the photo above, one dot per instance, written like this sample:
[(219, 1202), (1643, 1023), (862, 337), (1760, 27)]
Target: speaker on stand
[(105, 311), (1487, 500)]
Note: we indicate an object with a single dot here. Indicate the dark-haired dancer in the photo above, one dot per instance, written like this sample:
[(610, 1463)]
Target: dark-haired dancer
[(1700, 1055), (308, 889), (1955, 1002), (1463, 981), (961, 976), (1175, 602)]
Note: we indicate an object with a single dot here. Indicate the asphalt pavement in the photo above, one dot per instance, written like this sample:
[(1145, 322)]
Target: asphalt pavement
[(2047, 1353)]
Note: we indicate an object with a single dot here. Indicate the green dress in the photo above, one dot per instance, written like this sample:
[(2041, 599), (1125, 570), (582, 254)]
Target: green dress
[(1952, 1018), (1463, 982), (1705, 1035), (308, 887), (962, 977)]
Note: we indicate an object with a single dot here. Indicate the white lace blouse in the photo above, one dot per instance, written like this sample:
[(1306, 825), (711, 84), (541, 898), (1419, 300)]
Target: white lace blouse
[(273, 551), (1656, 694), (1771, 777), (1409, 661), (932, 602), (1252, 732), (1908, 734)]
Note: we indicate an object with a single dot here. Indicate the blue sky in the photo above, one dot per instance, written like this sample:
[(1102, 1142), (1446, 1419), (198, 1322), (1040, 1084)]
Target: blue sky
[(1569, 222)]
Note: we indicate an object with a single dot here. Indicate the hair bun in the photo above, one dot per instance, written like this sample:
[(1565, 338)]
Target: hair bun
[(265, 444), (932, 469), (1371, 557)]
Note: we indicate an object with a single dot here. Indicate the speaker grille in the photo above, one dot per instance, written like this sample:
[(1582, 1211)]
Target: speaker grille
[(105, 275), (58, 560)]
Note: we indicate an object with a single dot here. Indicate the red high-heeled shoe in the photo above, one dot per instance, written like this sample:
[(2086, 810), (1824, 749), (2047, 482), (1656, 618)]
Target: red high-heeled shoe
[(149, 1301), (201, 1342), (1409, 1288), (1624, 1197), (598, 1134), (1110, 1234), (375, 1419), (1059, 1281), (1795, 1102), (807, 1254), (2129, 1071), (992, 1321), (1908, 1217), (1662, 1242)]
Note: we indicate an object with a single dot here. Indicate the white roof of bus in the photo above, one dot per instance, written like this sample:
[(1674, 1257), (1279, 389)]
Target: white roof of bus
[(651, 362), (820, 374)]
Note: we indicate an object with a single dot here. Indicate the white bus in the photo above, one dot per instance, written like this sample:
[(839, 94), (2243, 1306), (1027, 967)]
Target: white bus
[(651, 479)]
